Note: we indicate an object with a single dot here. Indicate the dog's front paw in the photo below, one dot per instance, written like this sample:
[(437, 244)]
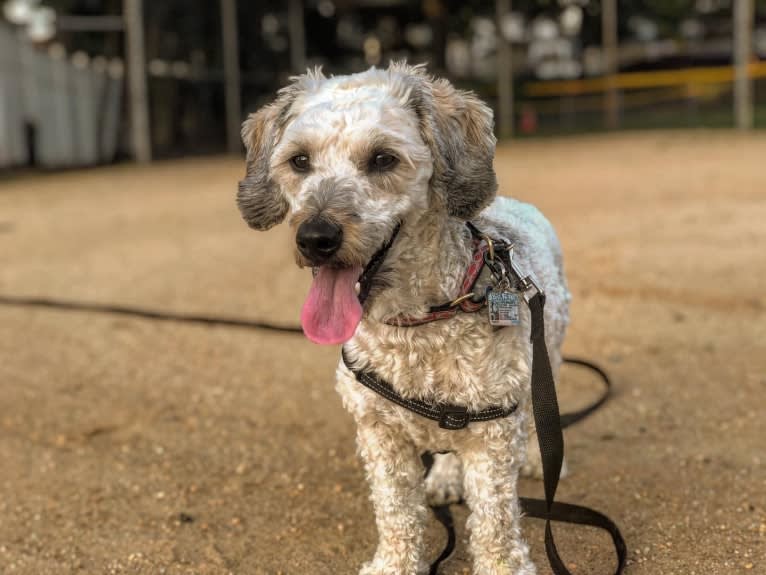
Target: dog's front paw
[(444, 483)]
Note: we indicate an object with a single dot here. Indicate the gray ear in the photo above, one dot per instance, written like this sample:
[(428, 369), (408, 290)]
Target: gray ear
[(458, 127), (259, 198)]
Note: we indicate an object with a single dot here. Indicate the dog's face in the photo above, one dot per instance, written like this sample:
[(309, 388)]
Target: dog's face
[(348, 158), (350, 164)]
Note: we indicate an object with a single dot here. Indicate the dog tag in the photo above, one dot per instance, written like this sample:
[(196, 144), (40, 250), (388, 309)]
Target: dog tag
[(503, 307)]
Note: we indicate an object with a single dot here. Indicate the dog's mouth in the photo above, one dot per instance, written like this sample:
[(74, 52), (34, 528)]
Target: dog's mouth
[(333, 307)]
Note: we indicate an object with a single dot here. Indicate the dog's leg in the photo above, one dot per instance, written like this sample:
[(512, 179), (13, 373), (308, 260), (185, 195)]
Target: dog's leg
[(490, 476), (444, 483), (395, 474), (533, 466)]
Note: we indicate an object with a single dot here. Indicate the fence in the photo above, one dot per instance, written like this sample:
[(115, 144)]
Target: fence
[(56, 111), (680, 98)]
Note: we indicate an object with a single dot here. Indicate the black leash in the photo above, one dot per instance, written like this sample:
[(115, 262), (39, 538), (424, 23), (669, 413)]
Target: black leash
[(537, 508), (551, 440), (572, 417), (144, 313), (549, 424)]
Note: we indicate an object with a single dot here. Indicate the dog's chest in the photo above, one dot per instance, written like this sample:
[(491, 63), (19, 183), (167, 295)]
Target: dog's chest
[(462, 361)]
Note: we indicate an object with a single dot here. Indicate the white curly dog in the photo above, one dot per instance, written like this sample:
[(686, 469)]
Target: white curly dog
[(394, 156)]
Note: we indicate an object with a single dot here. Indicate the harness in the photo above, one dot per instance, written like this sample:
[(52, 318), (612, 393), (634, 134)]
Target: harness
[(511, 283)]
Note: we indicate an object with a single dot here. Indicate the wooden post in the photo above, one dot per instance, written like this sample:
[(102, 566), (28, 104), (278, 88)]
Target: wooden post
[(231, 75), (743, 53), (609, 42), (297, 33), (137, 91), (504, 73)]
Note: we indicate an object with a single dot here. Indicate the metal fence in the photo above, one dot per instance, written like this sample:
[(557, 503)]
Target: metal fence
[(56, 111)]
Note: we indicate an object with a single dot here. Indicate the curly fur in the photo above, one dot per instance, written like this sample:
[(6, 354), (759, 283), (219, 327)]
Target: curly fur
[(443, 138)]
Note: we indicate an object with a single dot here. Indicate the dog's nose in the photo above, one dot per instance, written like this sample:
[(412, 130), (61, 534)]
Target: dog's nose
[(319, 239)]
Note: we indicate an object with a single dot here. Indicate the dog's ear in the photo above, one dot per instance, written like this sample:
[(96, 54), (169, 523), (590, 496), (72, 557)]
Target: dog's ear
[(458, 127), (259, 198), (465, 140)]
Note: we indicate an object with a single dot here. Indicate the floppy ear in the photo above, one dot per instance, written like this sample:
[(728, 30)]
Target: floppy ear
[(259, 198), (458, 127), (465, 139)]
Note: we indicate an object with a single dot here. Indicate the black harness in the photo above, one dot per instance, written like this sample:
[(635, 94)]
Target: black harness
[(548, 421)]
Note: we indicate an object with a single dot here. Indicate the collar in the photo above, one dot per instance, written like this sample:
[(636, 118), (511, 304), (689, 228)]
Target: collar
[(485, 252)]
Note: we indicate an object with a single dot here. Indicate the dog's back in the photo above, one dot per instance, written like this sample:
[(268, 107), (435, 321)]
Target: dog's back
[(537, 249)]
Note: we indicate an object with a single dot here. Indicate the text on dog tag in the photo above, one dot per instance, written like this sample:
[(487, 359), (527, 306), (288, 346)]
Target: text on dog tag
[(503, 307)]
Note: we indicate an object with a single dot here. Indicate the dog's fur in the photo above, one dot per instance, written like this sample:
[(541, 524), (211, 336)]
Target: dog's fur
[(444, 140)]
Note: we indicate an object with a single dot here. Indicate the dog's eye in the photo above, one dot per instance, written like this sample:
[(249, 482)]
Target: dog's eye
[(300, 163), (381, 161)]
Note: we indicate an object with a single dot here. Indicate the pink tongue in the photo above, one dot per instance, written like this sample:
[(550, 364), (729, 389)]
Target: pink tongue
[(332, 310)]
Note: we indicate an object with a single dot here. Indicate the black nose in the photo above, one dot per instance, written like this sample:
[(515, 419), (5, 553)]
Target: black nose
[(319, 239)]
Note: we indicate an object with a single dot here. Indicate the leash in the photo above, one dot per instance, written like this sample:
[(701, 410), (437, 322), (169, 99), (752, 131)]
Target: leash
[(537, 508), (551, 440), (143, 313)]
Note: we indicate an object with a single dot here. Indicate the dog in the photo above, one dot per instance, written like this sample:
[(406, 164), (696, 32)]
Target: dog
[(391, 163)]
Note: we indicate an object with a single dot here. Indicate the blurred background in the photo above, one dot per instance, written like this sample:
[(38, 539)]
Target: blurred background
[(133, 446), (86, 82)]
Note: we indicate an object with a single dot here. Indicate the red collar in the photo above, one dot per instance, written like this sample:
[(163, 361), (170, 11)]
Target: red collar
[(466, 301)]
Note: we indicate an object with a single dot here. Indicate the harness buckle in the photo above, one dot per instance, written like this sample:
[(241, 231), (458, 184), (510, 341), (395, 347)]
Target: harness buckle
[(453, 417)]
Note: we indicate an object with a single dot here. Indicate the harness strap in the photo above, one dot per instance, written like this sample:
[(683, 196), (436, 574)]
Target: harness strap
[(365, 280), (448, 415)]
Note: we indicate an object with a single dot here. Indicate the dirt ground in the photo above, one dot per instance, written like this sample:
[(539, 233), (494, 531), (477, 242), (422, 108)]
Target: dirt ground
[(134, 447)]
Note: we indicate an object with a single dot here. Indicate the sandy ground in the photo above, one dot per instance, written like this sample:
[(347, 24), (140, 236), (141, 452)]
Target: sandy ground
[(135, 447)]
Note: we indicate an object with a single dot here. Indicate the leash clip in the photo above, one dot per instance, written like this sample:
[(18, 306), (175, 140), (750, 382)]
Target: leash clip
[(527, 283)]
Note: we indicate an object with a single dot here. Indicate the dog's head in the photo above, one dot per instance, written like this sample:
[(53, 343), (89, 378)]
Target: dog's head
[(349, 158)]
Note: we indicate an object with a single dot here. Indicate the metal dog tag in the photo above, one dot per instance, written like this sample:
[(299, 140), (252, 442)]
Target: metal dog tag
[(503, 307)]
